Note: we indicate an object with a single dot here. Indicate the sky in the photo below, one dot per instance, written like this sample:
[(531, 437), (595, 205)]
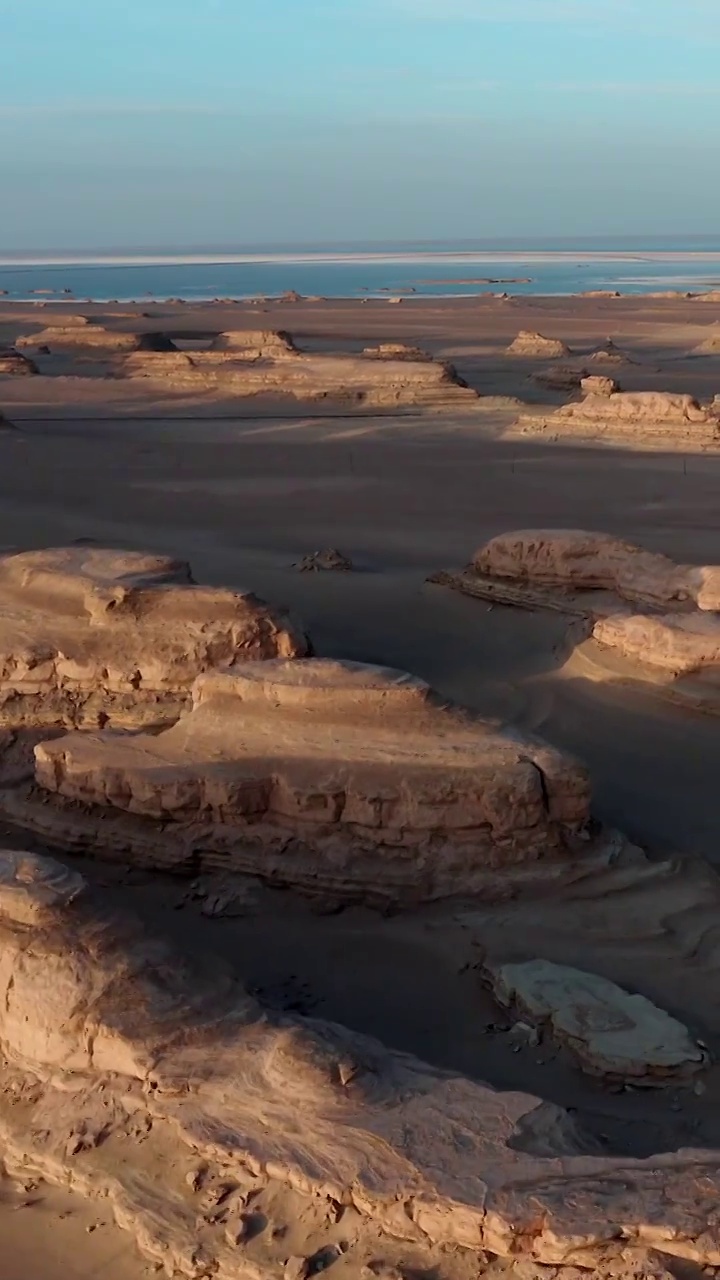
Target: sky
[(170, 123)]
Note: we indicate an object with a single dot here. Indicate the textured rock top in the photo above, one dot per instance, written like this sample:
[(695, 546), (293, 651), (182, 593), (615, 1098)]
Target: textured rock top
[(33, 887)]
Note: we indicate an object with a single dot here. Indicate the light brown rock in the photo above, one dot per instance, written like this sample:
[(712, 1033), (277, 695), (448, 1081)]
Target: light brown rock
[(560, 378), (335, 774), (396, 351), (711, 344), (89, 635), (596, 385), (676, 643), (252, 344), (612, 1034), (712, 295), (654, 416), (93, 338), (356, 379), (216, 1085), (535, 346), (13, 364)]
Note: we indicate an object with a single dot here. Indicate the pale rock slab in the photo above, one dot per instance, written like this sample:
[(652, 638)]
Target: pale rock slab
[(349, 777), (89, 635), (152, 1081), (92, 338), (611, 1033)]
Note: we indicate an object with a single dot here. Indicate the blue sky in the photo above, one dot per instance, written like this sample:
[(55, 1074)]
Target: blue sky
[(148, 122)]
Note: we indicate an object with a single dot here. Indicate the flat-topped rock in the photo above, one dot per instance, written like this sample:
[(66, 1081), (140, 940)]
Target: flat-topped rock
[(90, 635), (357, 379), (676, 643), (613, 1034), (653, 416), (255, 344), (351, 777), (232, 1099), (93, 337), (396, 351), (535, 345)]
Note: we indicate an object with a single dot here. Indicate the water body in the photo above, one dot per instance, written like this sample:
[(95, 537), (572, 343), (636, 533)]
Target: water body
[(354, 271)]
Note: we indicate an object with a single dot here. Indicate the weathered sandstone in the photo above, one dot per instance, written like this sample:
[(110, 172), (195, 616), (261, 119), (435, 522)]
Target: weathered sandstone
[(534, 345), (396, 351), (586, 561), (600, 293), (122, 1057), (597, 385), (93, 337), (560, 378), (254, 344), (711, 344), (89, 635), (13, 364), (302, 376), (712, 295), (621, 1037), (652, 416), (677, 643), (330, 560), (337, 775)]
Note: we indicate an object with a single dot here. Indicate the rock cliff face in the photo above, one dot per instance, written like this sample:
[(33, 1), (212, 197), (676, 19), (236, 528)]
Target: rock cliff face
[(648, 416), (350, 777), (255, 344), (359, 380), (91, 636), (248, 1113)]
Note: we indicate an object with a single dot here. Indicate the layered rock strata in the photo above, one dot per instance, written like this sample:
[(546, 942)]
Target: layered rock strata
[(640, 416), (662, 616), (13, 364), (90, 636), (93, 338), (536, 346), (122, 1057), (334, 776), (361, 380)]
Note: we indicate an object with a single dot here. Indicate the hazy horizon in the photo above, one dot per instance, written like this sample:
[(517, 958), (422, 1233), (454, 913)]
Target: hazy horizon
[(217, 123)]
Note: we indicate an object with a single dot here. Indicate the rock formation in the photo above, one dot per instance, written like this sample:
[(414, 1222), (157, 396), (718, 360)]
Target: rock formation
[(354, 379), (600, 293), (535, 346), (560, 378), (396, 351), (110, 1036), (15, 365), (332, 776), (712, 295), (675, 631), (609, 353), (710, 346), (655, 417), (319, 561), (596, 385), (255, 344), (94, 338), (624, 1038), (91, 636)]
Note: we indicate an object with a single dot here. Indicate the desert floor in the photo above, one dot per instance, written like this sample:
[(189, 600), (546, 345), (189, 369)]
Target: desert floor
[(243, 492)]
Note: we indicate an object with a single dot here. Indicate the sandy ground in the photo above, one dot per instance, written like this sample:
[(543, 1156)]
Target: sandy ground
[(245, 493)]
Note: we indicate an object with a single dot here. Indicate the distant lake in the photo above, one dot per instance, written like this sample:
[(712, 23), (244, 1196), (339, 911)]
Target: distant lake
[(356, 271)]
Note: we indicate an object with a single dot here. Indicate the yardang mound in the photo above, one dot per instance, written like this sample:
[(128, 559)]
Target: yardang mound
[(535, 346), (333, 776), (13, 364), (674, 633), (653, 417), (93, 338), (91, 635), (109, 1036)]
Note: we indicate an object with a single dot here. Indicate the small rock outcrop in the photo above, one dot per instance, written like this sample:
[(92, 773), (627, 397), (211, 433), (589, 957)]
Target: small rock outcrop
[(331, 776), (710, 346), (655, 417), (535, 346), (319, 561), (623, 1038), (560, 378), (255, 344), (13, 364), (90, 636), (712, 295), (600, 293), (396, 351), (597, 385)]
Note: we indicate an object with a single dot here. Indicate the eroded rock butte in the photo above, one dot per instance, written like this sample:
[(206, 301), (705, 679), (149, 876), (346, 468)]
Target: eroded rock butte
[(89, 635), (534, 345), (337, 777), (640, 416)]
